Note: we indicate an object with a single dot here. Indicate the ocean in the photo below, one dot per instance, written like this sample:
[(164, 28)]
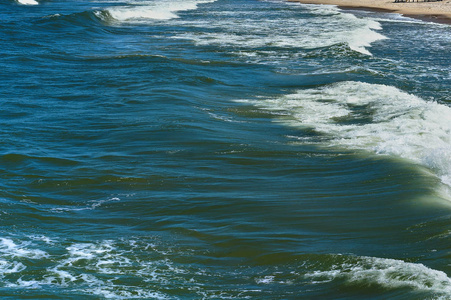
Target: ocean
[(222, 149)]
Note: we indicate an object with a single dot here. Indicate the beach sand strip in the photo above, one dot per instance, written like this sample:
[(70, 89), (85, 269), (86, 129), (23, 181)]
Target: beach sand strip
[(433, 11)]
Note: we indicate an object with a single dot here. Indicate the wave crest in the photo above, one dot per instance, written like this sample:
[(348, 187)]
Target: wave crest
[(388, 273), (376, 118), (145, 10), (28, 2)]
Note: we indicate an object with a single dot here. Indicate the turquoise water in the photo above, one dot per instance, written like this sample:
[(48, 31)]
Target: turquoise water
[(228, 149)]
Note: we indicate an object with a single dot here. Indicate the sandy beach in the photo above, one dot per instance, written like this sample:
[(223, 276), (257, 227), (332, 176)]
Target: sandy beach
[(437, 11)]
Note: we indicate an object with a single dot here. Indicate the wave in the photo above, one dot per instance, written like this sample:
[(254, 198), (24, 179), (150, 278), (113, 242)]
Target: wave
[(376, 277), (316, 27), (146, 267), (88, 21), (28, 2), (134, 268), (384, 272), (376, 118), (142, 11)]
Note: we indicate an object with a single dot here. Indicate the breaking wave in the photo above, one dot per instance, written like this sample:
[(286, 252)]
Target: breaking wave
[(143, 11), (307, 32), (28, 2), (373, 117), (386, 273)]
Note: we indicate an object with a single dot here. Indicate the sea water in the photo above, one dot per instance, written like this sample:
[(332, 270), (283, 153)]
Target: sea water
[(228, 149)]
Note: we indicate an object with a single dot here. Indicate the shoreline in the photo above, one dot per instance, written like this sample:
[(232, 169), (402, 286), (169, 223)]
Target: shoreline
[(437, 11)]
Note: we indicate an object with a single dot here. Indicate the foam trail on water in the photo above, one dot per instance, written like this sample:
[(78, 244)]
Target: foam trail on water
[(97, 269), (141, 11), (377, 118)]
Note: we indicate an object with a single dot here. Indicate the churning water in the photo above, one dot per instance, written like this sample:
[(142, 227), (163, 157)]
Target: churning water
[(228, 149)]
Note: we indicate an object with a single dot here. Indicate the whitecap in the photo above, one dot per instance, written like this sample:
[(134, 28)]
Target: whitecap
[(327, 27), (387, 273), (372, 117), (144, 11), (28, 2)]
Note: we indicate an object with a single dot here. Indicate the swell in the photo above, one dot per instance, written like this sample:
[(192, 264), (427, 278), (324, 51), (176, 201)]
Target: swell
[(16, 158), (69, 23)]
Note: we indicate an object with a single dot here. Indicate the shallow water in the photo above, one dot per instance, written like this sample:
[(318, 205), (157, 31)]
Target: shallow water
[(229, 149)]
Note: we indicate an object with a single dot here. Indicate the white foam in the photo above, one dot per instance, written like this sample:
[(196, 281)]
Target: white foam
[(9, 248), (28, 2), (108, 258), (11, 254), (388, 273), (87, 268), (360, 39), (141, 11), (377, 118), (265, 280), (363, 35), (9, 267), (327, 27), (104, 269), (42, 238)]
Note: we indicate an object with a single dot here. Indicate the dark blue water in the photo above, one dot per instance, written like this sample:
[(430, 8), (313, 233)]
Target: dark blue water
[(228, 149)]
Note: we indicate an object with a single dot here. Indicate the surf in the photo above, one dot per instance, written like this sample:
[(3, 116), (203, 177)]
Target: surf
[(144, 11), (28, 2), (306, 27), (377, 118)]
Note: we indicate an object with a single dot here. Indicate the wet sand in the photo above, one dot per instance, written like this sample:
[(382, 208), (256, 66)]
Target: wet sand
[(436, 11)]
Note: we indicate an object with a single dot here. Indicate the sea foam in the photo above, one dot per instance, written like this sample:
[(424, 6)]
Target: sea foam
[(387, 273), (329, 26), (142, 11), (10, 249), (372, 117), (28, 2), (89, 268)]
